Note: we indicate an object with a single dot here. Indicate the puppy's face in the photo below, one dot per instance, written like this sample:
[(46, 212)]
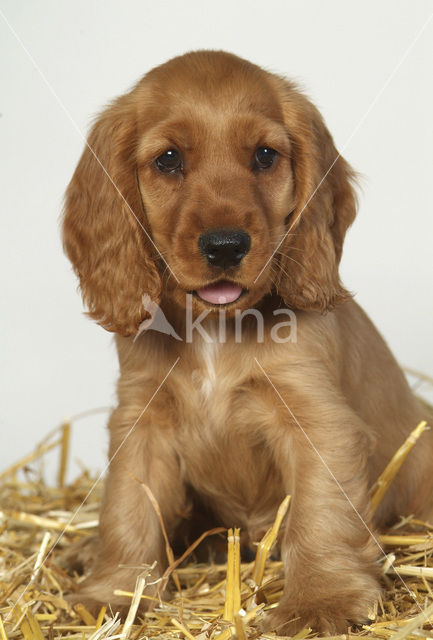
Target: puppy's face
[(216, 182), (211, 177)]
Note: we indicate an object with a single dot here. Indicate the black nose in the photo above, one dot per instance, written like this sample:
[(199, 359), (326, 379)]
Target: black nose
[(224, 247)]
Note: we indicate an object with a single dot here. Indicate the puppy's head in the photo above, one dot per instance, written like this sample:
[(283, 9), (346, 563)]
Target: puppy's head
[(211, 177)]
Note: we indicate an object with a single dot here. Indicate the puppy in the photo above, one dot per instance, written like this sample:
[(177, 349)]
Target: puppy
[(212, 197)]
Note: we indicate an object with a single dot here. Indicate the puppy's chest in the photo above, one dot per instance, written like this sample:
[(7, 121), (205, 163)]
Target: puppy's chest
[(222, 439), (218, 401)]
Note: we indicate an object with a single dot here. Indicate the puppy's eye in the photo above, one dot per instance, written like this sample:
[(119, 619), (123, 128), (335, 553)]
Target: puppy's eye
[(169, 162), (264, 157)]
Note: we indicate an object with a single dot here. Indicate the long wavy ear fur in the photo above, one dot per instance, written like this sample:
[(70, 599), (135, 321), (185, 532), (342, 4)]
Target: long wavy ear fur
[(308, 259), (104, 229)]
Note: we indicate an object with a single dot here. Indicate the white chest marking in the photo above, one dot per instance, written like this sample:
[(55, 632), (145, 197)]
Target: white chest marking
[(209, 378)]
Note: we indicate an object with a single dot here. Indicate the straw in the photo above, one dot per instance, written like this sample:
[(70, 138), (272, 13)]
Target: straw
[(64, 452), (211, 601), (268, 542), (387, 476), (233, 580)]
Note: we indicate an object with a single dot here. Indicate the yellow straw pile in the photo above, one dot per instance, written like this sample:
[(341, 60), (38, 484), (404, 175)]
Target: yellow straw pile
[(210, 601)]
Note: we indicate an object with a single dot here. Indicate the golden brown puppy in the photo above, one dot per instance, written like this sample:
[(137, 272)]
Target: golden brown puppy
[(211, 189)]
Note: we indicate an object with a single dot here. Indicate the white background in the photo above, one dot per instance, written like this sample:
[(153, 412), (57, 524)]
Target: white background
[(367, 65)]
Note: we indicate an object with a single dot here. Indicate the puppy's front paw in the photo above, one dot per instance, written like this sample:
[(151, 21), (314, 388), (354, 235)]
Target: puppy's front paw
[(329, 617), (99, 590), (93, 605), (94, 595), (286, 622)]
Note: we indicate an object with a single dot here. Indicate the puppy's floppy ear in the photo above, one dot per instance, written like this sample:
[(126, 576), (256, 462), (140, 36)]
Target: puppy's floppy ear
[(104, 229), (325, 207)]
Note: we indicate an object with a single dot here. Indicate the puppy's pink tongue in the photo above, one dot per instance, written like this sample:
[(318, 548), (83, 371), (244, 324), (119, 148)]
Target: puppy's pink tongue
[(221, 292)]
